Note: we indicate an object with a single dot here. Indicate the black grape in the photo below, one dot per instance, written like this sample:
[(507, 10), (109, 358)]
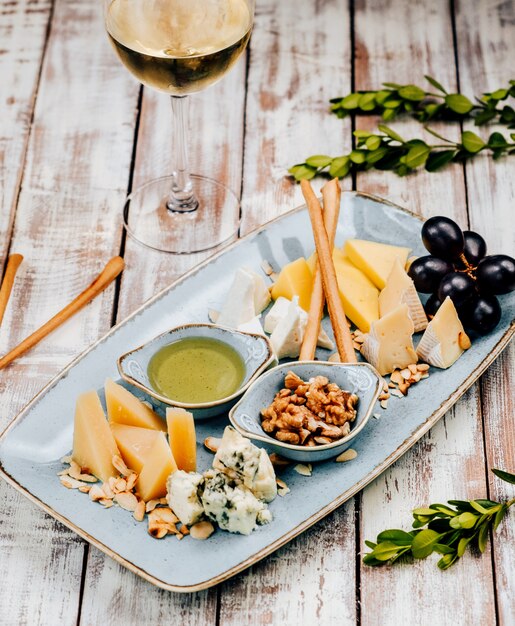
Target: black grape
[(443, 237), (432, 305), (475, 247), (496, 274), (427, 273), (459, 286), (483, 314)]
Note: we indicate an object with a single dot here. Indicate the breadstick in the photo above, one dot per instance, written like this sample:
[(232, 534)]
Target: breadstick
[(325, 259), (13, 263), (103, 280), (331, 193)]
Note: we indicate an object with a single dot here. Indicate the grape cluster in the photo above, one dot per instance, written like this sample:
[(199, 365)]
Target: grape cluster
[(457, 267)]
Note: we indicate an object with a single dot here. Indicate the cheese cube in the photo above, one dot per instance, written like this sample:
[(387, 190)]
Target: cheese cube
[(287, 337), (375, 259), (295, 279), (124, 408), (183, 442), (389, 344), (134, 444), (93, 442), (359, 296), (400, 289), (444, 339), (154, 474)]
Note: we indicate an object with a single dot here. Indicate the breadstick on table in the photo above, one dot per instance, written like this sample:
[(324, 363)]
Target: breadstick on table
[(13, 263), (331, 193), (101, 282), (330, 284)]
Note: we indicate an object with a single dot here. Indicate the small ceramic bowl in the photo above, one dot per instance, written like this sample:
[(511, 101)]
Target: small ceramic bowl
[(255, 350), (359, 378)]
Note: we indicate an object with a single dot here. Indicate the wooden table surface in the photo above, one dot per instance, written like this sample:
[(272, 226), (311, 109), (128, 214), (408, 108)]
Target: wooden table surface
[(76, 131)]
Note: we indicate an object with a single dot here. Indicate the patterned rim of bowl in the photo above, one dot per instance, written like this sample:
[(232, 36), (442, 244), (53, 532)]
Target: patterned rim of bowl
[(198, 405)]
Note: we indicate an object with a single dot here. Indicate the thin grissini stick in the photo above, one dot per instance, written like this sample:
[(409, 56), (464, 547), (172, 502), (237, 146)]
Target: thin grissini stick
[(13, 263), (331, 193), (101, 282), (325, 260)]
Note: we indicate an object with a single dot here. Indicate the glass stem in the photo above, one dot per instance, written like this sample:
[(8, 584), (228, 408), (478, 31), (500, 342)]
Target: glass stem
[(182, 199)]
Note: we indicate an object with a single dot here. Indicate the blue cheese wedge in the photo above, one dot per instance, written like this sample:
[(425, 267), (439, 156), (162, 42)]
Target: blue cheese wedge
[(231, 505), (445, 339), (389, 344), (183, 496)]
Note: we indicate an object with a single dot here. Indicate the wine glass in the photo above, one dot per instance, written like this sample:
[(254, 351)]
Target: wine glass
[(180, 47)]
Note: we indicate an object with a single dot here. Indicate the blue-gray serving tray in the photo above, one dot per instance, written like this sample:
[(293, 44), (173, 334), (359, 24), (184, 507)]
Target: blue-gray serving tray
[(30, 448)]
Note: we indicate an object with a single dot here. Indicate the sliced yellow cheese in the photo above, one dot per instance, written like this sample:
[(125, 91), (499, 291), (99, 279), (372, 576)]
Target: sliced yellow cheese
[(124, 408), (93, 442), (183, 442), (295, 279), (375, 259), (360, 298), (389, 344), (158, 466), (444, 339), (134, 444), (400, 289)]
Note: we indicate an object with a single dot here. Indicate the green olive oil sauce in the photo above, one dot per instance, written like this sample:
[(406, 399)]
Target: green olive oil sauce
[(196, 369)]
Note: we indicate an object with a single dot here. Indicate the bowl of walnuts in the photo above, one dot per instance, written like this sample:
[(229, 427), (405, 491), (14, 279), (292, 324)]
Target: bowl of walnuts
[(308, 410)]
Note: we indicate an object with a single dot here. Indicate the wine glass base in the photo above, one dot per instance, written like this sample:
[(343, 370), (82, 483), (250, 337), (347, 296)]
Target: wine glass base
[(149, 221)]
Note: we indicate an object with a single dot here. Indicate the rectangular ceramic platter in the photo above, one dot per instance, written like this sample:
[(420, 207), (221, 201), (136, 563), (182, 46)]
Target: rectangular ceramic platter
[(31, 447)]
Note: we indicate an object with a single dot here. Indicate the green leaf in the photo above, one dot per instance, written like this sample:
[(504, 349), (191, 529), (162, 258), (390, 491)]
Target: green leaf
[(475, 505), (390, 132), (484, 116), (374, 156), (385, 551), (368, 559), (412, 92), (381, 96), (472, 142), (362, 133), (462, 545), (447, 560), (340, 167), (496, 139), (435, 83), (458, 103), (367, 102), (302, 172), (424, 511), (437, 160), (499, 516), (370, 544), (372, 143), (398, 537), (417, 155), (424, 543), (351, 101), (358, 157), (392, 85), (392, 103), (506, 476), (482, 538), (499, 94), (465, 520), (442, 548), (319, 160), (443, 508), (389, 114)]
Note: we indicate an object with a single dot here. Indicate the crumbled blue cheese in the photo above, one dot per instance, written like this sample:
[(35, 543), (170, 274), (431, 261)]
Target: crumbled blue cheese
[(231, 505), (183, 496)]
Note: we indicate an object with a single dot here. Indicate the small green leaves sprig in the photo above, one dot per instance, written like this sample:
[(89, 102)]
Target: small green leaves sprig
[(447, 529), (395, 99), (387, 150)]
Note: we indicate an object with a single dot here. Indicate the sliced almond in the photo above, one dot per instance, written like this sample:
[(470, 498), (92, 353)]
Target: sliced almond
[(413, 368), (151, 505), (384, 396), (119, 464), (107, 489), (85, 489), (185, 530), (139, 511), (279, 461), (397, 393), (212, 443), (213, 315), (303, 470), (162, 515), (66, 459), (88, 478), (96, 493), (126, 500), (396, 377), (202, 530), (64, 472), (376, 416), (322, 440), (422, 367), (464, 341), (406, 373), (107, 503), (403, 388), (120, 485), (348, 455), (416, 377), (163, 501), (282, 487), (71, 483), (157, 531), (384, 404), (131, 481), (179, 536), (74, 470)]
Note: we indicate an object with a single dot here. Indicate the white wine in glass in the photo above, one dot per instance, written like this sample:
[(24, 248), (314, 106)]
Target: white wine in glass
[(180, 47)]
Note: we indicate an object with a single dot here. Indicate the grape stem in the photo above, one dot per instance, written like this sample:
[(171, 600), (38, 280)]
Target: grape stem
[(469, 268)]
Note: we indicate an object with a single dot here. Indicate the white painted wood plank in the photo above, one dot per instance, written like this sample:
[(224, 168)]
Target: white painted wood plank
[(486, 46), (23, 29), (66, 228), (400, 42)]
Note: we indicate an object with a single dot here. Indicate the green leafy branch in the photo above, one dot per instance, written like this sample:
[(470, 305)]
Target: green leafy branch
[(387, 150), (447, 529), (395, 99)]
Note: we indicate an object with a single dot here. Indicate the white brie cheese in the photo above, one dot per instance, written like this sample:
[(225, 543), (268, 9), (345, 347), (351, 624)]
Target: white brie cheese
[(286, 339), (253, 326), (444, 340), (183, 496), (261, 292), (239, 304)]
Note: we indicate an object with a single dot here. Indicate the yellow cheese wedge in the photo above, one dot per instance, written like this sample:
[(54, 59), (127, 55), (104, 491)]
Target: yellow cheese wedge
[(158, 466), (360, 298), (93, 442), (124, 408), (375, 259), (183, 442), (295, 279), (134, 444)]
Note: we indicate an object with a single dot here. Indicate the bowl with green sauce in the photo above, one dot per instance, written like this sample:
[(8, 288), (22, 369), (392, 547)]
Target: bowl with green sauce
[(203, 368)]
